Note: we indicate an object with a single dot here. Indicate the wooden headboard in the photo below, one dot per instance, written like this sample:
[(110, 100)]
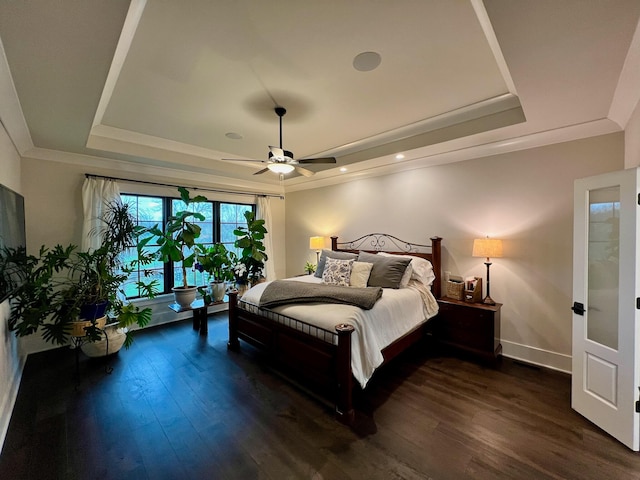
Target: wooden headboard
[(382, 242)]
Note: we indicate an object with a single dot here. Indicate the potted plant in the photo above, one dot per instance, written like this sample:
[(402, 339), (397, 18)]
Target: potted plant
[(174, 242), (218, 262), (66, 292), (252, 251), (104, 273)]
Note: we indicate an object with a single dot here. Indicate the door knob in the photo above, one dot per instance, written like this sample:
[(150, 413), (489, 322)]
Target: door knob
[(578, 308)]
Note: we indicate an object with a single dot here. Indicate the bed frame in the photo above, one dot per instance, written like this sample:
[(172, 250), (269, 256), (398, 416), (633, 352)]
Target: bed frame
[(319, 358)]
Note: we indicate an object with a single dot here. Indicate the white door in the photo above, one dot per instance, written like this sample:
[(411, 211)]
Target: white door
[(605, 368)]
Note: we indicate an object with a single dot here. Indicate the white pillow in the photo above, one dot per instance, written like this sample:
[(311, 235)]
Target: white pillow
[(360, 272), (337, 272), (406, 276), (421, 268)]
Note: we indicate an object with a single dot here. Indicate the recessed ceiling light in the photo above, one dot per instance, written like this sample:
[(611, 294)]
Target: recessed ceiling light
[(366, 61), (233, 135), (343, 169), (399, 156)]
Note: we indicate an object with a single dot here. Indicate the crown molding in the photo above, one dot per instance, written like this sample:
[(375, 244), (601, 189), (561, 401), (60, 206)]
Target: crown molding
[(492, 40), (450, 152), (118, 140), (11, 115), (627, 94), (136, 8), (173, 174), (485, 108)]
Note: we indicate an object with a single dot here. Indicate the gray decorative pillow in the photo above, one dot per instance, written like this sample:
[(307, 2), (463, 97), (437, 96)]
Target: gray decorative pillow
[(387, 271), (332, 254), (337, 272)]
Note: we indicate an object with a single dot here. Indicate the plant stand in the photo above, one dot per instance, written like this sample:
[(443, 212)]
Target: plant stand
[(76, 342), (199, 310)]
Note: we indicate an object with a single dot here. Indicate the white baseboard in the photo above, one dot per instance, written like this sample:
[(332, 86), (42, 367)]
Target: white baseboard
[(8, 400), (537, 356)]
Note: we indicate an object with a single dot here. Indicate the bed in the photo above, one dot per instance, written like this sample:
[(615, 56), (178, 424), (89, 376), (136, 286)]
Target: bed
[(330, 348)]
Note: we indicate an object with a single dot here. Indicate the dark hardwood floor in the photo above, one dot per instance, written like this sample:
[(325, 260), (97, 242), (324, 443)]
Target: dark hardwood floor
[(179, 406)]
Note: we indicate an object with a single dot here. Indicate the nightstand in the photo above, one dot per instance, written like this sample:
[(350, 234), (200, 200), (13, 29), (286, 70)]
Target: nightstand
[(470, 327)]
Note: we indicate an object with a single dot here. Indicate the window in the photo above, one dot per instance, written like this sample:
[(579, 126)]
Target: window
[(221, 219)]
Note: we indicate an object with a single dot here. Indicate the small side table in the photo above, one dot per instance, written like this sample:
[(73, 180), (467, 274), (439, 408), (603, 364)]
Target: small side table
[(472, 327), (199, 310)]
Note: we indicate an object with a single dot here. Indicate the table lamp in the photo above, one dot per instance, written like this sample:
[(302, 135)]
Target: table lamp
[(488, 248), (317, 244)]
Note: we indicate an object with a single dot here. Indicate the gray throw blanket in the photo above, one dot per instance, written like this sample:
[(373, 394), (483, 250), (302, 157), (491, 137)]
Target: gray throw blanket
[(284, 292)]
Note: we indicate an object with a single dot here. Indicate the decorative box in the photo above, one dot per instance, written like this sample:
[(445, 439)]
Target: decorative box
[(454, 290)]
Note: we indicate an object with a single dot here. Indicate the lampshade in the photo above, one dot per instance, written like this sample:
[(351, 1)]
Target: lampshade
[(487, 247), (281, 167), (316, 243)]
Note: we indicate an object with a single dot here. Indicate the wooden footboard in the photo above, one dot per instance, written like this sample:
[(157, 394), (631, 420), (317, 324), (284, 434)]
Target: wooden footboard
[(324, 365)]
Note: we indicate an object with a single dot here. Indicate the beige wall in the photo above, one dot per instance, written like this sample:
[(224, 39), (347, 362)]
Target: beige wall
[(525, 198), (11, 358)]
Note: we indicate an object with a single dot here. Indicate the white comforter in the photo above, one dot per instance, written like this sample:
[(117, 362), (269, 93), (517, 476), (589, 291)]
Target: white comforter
[(395, 314)]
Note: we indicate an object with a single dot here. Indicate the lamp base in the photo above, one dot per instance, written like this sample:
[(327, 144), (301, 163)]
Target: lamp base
[(488, 300)]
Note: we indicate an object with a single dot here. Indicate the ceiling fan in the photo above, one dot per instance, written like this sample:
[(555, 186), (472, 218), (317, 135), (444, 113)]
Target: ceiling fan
[(282, 161)]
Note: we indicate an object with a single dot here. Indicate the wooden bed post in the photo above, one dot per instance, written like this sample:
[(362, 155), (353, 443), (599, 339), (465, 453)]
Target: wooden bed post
[(344, 402), (436, 252), (334, 243), (233, 343)]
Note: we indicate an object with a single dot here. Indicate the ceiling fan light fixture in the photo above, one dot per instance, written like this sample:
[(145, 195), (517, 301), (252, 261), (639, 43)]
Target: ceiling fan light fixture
[(281, 168)]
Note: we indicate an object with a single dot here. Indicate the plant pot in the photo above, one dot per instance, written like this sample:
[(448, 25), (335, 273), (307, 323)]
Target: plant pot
[(218, 289), (91, 311), (77, 327), (116, 337), (184, 296), (242, 288)]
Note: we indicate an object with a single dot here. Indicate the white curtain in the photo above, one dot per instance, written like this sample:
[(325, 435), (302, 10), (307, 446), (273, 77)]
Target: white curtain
[(97, 193), (263, 212)]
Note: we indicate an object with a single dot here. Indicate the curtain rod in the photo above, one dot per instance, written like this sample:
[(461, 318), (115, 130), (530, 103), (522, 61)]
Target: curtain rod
[(231, 192)]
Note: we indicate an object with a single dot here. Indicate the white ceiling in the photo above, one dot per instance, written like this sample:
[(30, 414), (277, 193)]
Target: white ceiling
[(160, 83)]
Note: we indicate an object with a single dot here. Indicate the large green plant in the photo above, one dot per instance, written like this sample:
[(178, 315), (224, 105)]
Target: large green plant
[(180, 234), (250, 242), (41, 301), (216, 260), (59, 281)]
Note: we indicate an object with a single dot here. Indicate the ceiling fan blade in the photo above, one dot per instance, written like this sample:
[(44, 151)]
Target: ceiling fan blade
[(241, 160), (318, 160), (304, 171), (264, 170)]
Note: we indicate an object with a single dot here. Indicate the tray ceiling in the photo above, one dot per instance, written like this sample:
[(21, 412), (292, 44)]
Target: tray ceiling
[(184, 84)]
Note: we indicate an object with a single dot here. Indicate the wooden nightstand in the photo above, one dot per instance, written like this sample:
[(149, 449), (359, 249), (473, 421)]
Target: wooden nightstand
[(472, 327)]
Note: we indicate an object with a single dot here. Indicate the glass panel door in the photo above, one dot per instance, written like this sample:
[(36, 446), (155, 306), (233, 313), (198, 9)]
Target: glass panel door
[(605, 357), (603, 266)]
